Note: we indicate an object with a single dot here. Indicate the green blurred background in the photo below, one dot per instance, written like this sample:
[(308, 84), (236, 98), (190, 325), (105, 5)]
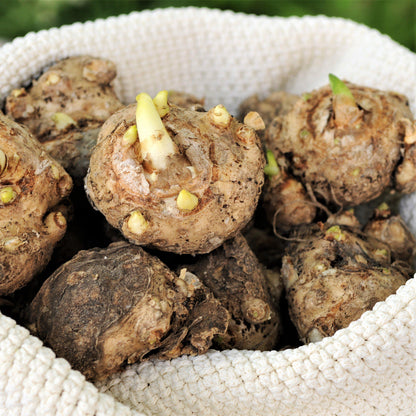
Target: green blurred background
[(396, 18)]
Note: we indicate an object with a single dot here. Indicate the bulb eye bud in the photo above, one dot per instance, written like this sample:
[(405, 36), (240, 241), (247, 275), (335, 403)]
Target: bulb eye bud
[(335, 233), (254, 120), (56, 174), (62, 121), (186, 201), (7, 195), (20, 92), (130, 136), (219, 116), (161, 103), (52, 79), (136, 223)]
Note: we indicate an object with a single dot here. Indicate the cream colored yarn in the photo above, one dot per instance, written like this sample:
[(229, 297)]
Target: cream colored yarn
[(366, 369)]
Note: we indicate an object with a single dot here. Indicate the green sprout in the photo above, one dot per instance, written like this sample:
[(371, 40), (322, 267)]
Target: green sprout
[(347, 113), (335, 232), (383, 207), (339, 88), (306, 96), (271, 168)]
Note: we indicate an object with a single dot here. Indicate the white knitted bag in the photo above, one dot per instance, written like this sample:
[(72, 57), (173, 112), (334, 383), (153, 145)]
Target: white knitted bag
[(366, 369)]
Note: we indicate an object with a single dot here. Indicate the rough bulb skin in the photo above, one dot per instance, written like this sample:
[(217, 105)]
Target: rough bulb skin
[(391, 229), (333, 274), (32, 184), (110, 307), (275, 104), (284, 198), (203, 192), (65, 107), (186, 100), (286, 202), (239, 281), (347, 147)]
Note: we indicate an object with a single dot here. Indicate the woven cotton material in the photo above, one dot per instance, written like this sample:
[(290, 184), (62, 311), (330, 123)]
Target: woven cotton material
[(34, 382), (366, 369)]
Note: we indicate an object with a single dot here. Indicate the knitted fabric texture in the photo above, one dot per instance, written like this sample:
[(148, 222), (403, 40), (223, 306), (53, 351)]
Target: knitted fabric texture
[(365, 369)]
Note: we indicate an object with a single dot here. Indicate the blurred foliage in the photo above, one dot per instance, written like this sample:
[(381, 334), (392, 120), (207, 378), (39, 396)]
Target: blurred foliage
[(396, 18)]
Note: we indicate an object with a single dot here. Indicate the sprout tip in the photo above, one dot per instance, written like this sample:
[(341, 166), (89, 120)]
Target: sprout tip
[(155, 143), (130, 136), (186, 201), (161, 103), (136, 223), (339, 88), (271, 168)]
